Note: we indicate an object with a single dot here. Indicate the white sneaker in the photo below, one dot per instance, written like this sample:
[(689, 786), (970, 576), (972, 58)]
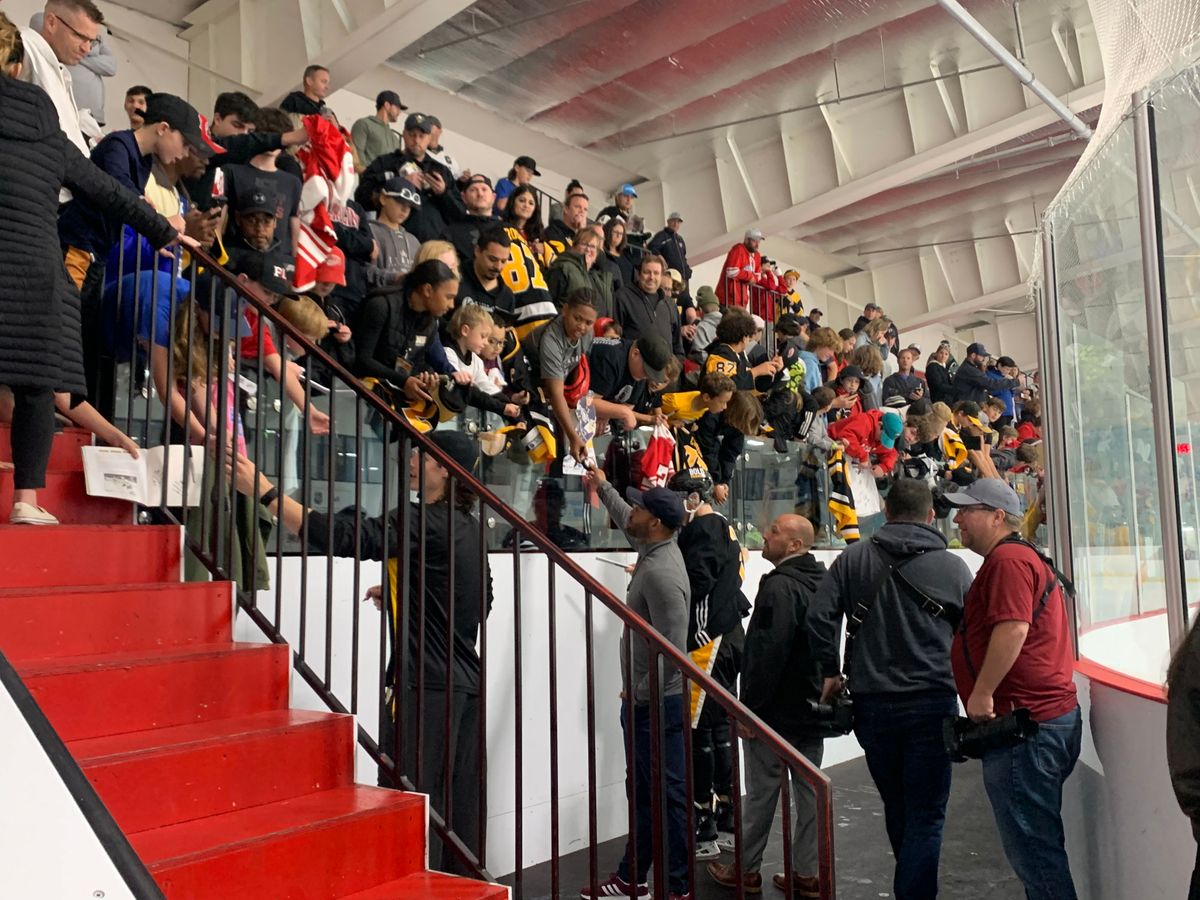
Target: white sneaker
[(28, 514)]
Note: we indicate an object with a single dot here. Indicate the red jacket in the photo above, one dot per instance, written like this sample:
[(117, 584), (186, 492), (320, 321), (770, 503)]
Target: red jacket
[(746, 268), (861, 433)]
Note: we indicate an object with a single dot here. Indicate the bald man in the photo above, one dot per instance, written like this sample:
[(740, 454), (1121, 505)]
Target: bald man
[(779, 678)]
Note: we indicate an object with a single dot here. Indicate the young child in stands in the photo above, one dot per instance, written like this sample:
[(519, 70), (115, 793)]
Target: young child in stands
[(713, 396), (466, 338), (268, 272), (721, 438)]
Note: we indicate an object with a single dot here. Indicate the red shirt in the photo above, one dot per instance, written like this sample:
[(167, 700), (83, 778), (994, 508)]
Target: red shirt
[(861, 433), (248, 349), (1006, 589)]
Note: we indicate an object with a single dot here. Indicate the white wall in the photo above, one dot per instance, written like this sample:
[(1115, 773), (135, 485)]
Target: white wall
[(1126, 835), (572, 694), (48, 850)]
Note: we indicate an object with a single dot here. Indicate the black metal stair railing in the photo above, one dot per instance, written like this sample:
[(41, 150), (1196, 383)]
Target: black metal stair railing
[(356, 475)]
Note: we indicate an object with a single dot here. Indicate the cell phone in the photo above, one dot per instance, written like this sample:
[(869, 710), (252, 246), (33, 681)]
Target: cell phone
[(218, 204)]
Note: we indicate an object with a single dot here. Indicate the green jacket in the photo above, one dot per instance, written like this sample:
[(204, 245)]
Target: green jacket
[(568, 273)]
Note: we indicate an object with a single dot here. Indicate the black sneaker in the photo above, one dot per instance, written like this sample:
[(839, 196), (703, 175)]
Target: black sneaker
[(706, 834), (724, 819)]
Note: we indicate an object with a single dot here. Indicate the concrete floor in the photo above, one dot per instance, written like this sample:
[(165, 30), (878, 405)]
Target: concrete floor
[(973, 864)]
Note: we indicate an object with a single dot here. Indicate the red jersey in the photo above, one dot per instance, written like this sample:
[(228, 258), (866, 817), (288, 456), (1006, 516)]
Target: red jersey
[(742, 268), (1007, 588), (861, 433)]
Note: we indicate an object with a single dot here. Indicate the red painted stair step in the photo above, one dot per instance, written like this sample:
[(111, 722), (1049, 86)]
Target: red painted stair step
[(321, 845), (432, 886), (94, 696), (64, 452), (66, 497), (39, 623), (32, 556), (149, 779)]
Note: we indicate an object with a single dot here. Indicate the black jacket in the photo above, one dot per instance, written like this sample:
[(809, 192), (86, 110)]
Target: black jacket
[(620, 267), (355, 241), (900, 648), (437, 210), (941, 389), (779, 673), (673, 248), (972, 383), (639, 313), (392, 341), (472, 579), (464, 234), (40, 342), (720, 445), (1183, 728), (298, 102), (713, 559), (898, 385)]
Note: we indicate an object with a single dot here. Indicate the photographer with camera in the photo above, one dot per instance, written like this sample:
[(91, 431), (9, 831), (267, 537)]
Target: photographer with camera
[(901, 594), (1013, 652), (780, 680)]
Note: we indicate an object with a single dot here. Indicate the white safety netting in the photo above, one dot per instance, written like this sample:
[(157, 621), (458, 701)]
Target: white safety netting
[(1141, 42)]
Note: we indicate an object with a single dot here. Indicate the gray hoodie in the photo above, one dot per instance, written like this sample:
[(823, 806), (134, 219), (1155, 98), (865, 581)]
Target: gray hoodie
[(900, 647)]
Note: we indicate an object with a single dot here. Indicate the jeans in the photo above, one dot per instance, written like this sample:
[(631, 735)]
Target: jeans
[(32, 436), (674, 769), (901, 735), (1024, 784)]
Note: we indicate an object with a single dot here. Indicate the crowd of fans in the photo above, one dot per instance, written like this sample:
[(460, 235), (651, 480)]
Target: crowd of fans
[(443, 290)]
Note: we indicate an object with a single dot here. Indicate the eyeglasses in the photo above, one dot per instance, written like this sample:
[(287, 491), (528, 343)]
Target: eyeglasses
[(977, 507), (588, 248), (83, 38)]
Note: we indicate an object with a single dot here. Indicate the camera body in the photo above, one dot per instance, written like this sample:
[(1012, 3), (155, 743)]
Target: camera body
[(965, 739), (836, 716)]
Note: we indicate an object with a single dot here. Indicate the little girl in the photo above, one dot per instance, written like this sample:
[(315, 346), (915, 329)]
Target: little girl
[(467, 338)]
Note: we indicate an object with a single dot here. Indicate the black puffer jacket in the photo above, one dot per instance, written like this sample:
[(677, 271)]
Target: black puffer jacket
[(39, 307)]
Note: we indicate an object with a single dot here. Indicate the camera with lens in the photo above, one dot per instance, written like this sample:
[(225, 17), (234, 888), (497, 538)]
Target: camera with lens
[(965, 739), (836, 716)]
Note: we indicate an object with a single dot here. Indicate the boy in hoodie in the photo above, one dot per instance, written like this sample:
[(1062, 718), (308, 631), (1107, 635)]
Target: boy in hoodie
[(898, 667), (870, 438)]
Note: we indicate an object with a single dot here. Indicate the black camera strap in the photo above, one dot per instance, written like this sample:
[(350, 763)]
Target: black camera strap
[(1056, 578), (856, 617)]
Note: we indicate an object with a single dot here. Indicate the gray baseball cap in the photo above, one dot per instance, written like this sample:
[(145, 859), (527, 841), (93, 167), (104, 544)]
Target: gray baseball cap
[(987, 492)]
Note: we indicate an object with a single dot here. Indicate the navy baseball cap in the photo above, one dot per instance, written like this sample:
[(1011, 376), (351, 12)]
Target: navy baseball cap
[(662, 503)]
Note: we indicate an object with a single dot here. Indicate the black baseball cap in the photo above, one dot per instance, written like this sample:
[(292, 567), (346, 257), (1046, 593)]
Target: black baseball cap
[(399, 188), (418, 122), (526, 162), (460, 447), (662, 503), (656, 356), (273, 269), (977, 348), (258, 201), (182, 116), (816, 312), (388, 97), (477, 178)]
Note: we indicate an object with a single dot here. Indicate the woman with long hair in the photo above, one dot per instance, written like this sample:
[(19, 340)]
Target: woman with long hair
[(41, 349), (941, 390), (525, 271), (614, 258)]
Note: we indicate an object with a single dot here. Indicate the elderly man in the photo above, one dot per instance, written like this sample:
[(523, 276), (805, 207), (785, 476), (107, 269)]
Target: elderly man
[(743, 268), (779, 678)]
